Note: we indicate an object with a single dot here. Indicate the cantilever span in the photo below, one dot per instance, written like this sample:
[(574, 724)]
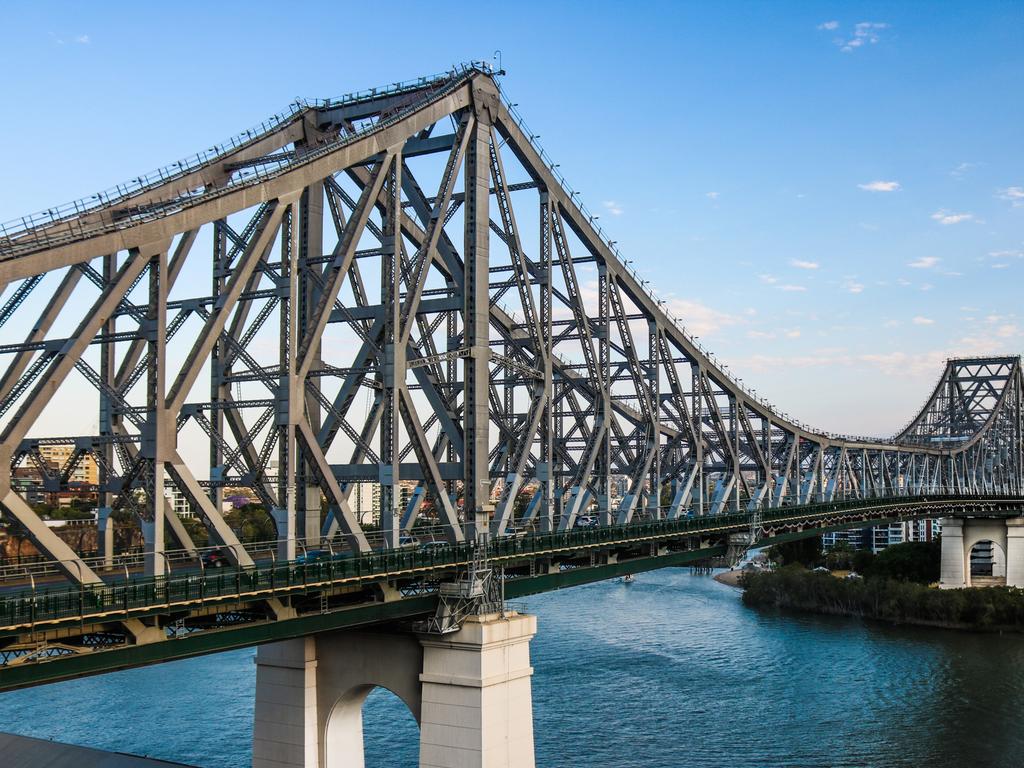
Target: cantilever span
[(396, 289)]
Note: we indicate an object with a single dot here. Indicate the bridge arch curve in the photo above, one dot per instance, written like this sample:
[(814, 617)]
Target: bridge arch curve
[(343, 742)]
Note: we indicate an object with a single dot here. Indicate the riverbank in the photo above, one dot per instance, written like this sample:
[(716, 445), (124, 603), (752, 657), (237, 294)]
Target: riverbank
[(990, 609), (730, 578)]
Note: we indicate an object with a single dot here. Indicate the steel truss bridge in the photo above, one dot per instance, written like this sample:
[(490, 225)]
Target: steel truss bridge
[(398, 286)]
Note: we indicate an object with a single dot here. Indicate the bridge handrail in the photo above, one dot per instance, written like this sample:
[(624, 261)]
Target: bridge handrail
[(19, 233), (29, 607)]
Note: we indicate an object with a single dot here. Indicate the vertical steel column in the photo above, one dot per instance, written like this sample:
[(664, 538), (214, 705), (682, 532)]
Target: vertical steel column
[(654, 384), (290, 396), (310, 246), (393, 368), (602, 467), (104, 523), (697, 411), (476, 313), (159, 429), (219, 391), (545, 470)]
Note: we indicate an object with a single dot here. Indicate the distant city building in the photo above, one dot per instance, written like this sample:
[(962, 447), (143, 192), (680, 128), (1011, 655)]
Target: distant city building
[(86, 470), (178, 501), (365, 502), (881, 536)]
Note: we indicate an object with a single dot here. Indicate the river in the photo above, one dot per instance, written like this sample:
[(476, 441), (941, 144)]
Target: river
[(671, 670)]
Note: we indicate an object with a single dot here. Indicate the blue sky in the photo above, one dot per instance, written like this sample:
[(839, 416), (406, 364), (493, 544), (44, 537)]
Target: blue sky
[(830, 194)]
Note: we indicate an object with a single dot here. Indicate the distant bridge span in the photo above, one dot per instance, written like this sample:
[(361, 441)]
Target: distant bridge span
[(398, 287)]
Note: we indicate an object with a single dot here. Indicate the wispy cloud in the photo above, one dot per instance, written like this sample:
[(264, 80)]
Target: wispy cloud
[(793, 288), (699, 318), (801, 264), (1014, 194), (919, 320), (962, 170), (948, 217), (925, 262), (80, 39), (864, 33), (829, 25), (881, 186), (853, 286), (769, 279), (712, 195), (614, 208)]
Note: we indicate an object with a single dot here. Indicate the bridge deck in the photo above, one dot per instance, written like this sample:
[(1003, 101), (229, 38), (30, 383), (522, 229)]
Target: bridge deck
[(60, 632)]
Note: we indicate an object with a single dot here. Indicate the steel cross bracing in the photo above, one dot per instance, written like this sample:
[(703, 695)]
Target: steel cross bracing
[(397, 288)]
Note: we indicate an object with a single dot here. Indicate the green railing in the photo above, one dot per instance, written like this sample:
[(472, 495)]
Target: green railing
[(136, 596)]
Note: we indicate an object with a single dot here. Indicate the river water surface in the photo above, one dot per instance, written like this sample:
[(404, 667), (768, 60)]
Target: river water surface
[(669, 671)]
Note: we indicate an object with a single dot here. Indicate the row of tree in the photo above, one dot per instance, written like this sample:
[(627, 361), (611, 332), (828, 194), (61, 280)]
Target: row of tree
[(885, 598)]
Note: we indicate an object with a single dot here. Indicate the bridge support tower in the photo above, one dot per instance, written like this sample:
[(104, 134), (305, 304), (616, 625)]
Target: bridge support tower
[(997, 545), (468, 690)]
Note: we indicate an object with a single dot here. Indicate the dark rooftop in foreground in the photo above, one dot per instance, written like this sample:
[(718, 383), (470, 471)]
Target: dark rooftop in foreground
[(27, 752)]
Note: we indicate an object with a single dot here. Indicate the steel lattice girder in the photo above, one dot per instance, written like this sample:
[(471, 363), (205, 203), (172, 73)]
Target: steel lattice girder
[(583, 390)]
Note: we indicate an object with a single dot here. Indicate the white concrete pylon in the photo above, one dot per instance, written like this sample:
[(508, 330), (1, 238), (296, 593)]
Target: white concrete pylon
[(469, 691), (477, 705)]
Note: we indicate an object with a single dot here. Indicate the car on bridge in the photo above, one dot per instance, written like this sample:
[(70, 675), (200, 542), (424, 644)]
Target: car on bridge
[(215, 558)]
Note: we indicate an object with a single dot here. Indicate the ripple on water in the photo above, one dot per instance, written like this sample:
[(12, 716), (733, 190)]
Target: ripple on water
[(671, 670)]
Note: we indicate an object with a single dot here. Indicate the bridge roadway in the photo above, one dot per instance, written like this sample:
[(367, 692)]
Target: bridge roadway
[(63, 632)]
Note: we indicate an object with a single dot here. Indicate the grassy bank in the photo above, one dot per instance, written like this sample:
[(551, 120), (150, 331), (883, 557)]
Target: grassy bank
[(900, 602)]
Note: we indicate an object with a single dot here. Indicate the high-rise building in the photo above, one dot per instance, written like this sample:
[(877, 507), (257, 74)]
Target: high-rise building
[(881, 536), (85, 471)]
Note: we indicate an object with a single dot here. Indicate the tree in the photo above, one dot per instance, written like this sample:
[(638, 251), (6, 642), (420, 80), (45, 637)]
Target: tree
[(806, 551), (916, 561)]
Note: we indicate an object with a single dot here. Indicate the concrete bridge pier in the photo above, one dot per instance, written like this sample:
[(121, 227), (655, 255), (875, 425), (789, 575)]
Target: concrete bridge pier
[(469, 692), (997, 546)]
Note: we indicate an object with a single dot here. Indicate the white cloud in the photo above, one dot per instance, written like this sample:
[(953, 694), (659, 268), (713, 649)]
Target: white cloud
[(614, 208), (800, 264), (925, 262), (760, 335), (1014, 194), (829, 25), (881, 186), (769, 279), (947, 217), (1001, 265), (853, 287), (918, 320), (83, 39), (792, 288), (1007, 330), (962, 170), (864, 33), (712, 195), (793, 333), (698, 318)]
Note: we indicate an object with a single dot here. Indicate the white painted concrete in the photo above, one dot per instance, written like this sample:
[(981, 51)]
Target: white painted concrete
[(470, 692), (477, 703), (1015, 552), (310, 694), (960, 535), (952, 569)]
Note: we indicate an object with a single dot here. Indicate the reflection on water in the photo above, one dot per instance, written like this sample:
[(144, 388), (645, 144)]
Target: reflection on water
[(668, 671)]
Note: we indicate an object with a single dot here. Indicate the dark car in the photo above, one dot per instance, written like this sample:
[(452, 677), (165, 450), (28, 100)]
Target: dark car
[(216, 558)]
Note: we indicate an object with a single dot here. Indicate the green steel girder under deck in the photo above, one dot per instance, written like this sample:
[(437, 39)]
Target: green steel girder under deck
[(59, 633)]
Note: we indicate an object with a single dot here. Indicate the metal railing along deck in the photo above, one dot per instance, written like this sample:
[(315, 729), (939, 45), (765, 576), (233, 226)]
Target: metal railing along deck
[(28, 609)]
